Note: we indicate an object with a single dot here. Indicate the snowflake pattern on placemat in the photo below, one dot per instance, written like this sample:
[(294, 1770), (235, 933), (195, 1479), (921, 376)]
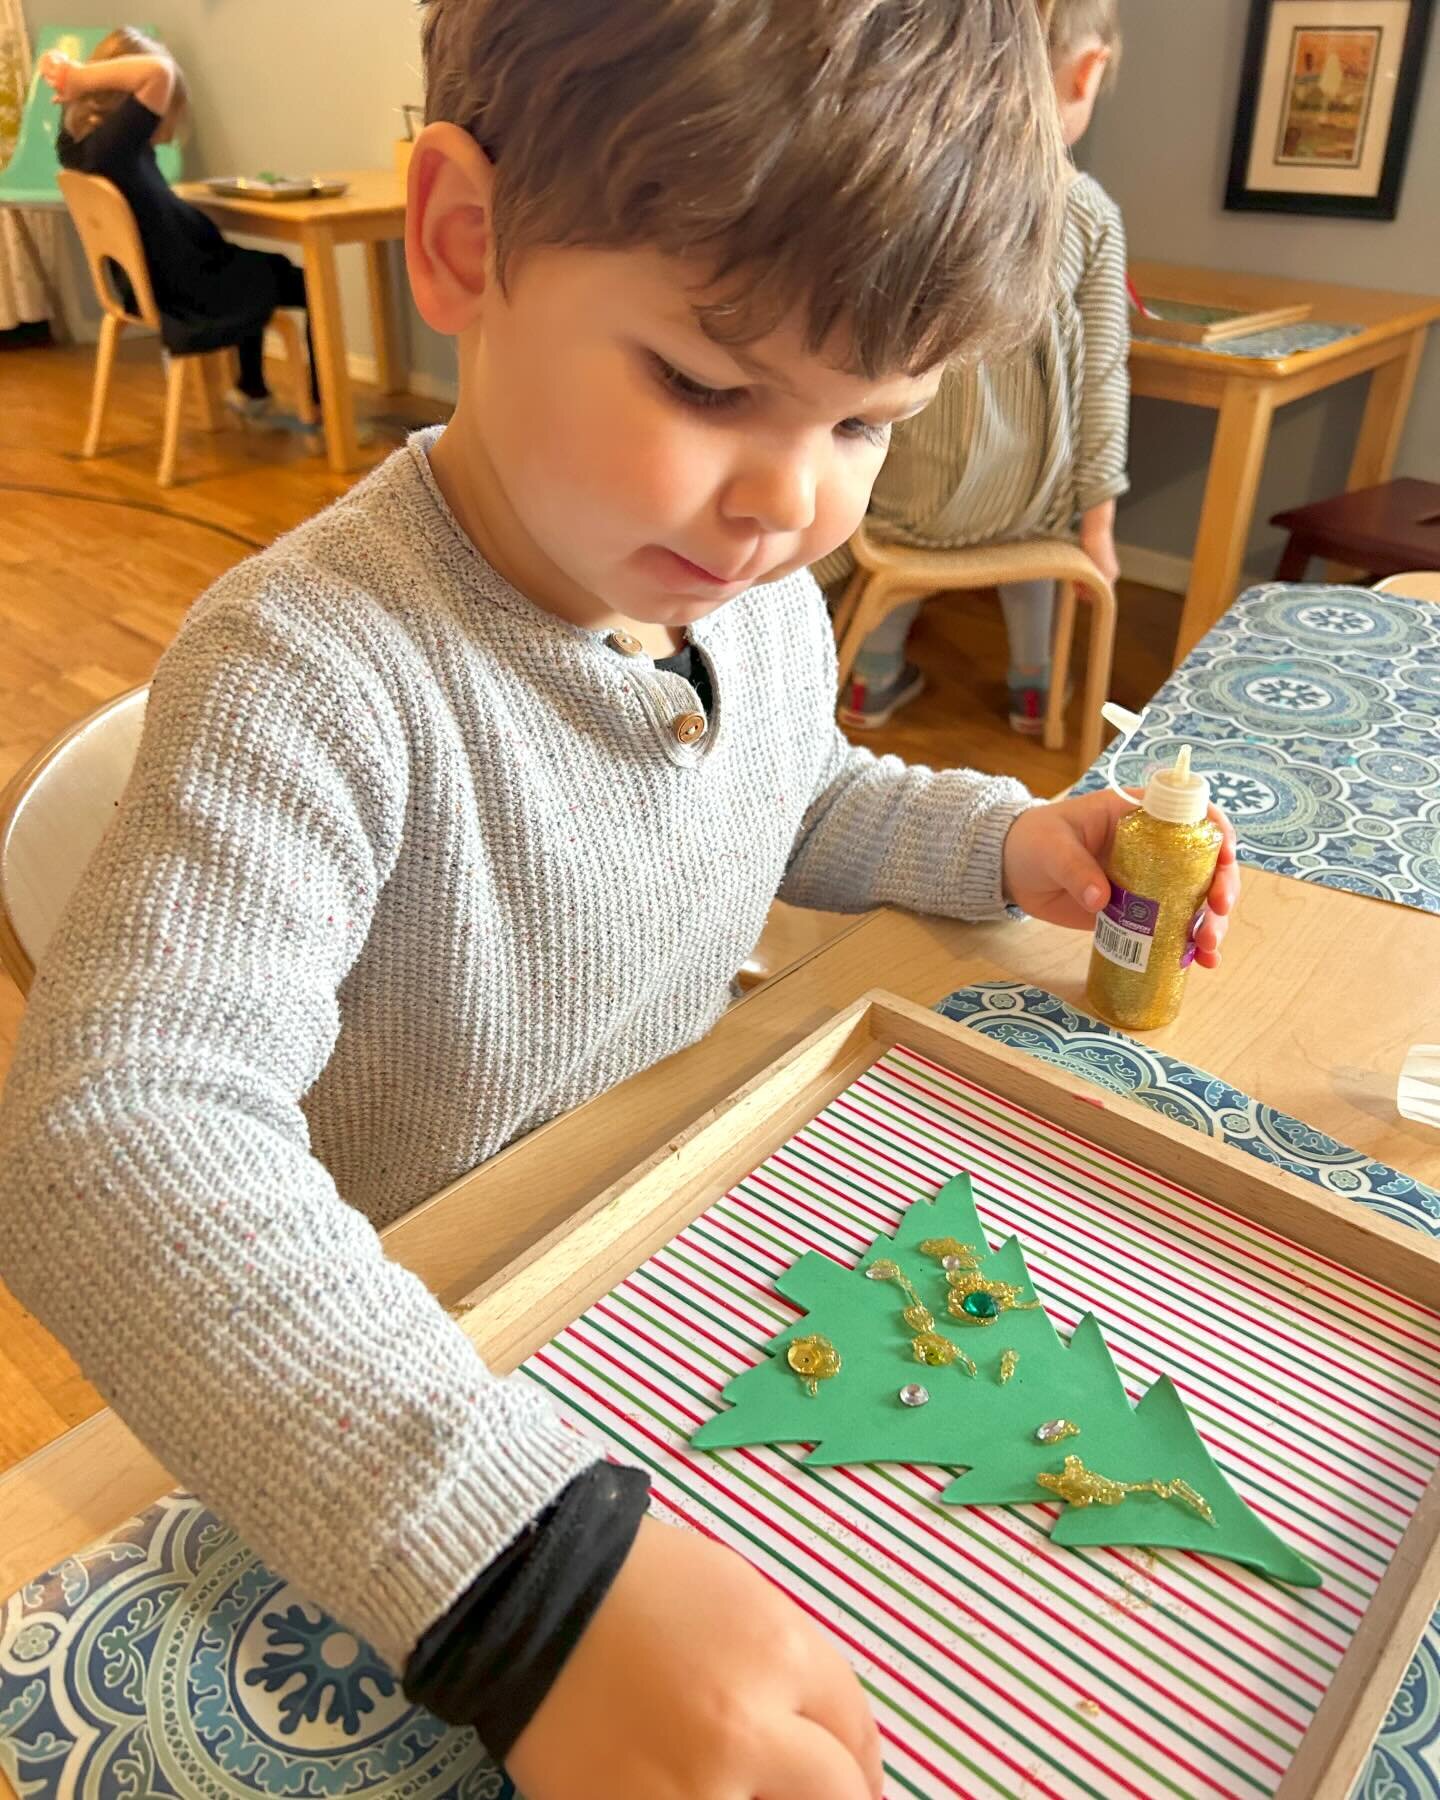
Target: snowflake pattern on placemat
[(1315, 714), (171, 1662), (1405, 1763)]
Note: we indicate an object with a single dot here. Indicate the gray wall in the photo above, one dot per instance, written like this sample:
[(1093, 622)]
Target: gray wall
[(295, 85), (1160, 144)]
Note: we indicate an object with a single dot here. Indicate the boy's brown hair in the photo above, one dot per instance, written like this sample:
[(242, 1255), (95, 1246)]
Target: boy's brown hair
[(887, 169), (80, 117), (1072, 24)]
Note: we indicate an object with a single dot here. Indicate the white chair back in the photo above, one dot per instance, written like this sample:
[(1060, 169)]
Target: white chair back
[(52, 817)]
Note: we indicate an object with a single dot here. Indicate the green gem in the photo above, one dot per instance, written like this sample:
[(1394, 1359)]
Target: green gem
[(981, 1305)]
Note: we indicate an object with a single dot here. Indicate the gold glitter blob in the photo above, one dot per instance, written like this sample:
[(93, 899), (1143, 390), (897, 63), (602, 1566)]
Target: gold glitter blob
[(1078, 1486), (1172, 865), (1008, 1364), (937, 1352), (814, 1359), (1091, 1708), (927, 1344), (959, 1255)]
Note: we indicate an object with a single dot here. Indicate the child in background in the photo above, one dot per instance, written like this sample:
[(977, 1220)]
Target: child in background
[(127, 97), (1024, 446), (465, 801)]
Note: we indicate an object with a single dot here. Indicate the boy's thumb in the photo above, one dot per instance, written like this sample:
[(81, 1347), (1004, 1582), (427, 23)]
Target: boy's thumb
[(1082, 878)]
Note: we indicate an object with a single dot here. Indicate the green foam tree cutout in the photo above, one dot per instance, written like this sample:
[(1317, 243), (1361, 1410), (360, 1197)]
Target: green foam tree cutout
[(980, 1423)]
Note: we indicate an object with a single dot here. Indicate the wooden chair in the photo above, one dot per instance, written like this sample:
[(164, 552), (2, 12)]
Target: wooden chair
[(53, 813), (1415, 584), (108, 235), (887, 575)]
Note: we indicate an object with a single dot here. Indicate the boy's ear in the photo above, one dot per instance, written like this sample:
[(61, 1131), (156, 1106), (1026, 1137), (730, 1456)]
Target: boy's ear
[(1086, 73), (449, 243)]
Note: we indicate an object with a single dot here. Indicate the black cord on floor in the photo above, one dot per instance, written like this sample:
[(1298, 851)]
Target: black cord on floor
[(147, 506)]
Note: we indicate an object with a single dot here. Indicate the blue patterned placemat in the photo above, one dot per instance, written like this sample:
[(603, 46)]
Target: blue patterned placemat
[(1405, 1763), (169, 1662), (1315, 712), (1280, 340)]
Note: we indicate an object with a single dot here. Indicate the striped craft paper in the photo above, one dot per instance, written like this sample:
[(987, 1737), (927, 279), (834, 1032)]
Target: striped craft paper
[(998, 1664)]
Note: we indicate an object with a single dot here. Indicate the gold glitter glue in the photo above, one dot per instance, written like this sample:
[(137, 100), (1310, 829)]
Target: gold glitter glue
[(1162, 861), (1008, 1363), (814, 1359), (952, 1253), (976, 1300), (1078, 1486), (927, 1345)]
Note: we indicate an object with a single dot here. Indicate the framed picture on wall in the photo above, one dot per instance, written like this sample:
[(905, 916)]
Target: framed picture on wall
[(1327, 97)]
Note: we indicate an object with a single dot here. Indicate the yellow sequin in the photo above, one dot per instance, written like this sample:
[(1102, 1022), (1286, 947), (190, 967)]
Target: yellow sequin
[(814, 1359)]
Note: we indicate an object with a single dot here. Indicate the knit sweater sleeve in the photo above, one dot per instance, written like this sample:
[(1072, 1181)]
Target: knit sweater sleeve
[(879, 831), (1105, 319), (160, 1209)]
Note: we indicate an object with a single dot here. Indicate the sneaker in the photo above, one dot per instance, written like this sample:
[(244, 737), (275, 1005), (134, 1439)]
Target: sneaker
[(250, 409), (867, 707), (1029, 697)]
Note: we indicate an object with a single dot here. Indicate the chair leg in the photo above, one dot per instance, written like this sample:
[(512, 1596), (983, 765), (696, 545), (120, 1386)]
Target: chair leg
[(283, 323), (878, 598), (849, 600), (1062, 648), (212, 369), (1098, 668), (174, 407), (110, 329), (1294, 559)]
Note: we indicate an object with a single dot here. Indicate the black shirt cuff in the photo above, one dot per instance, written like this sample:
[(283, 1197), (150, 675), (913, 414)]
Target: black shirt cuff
[(495, 1655)]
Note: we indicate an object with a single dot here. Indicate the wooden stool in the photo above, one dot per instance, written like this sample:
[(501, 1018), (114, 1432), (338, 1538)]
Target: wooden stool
[(1385, 530), (887, 575)]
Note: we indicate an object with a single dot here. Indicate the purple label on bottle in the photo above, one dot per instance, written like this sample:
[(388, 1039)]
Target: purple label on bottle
[(1133, 912), (1187, 955)]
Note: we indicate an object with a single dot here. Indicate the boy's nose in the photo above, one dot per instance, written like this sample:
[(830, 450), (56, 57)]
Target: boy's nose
[(777, 494)]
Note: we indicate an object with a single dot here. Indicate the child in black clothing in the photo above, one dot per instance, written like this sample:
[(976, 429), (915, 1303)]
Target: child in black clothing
[(127, 98)]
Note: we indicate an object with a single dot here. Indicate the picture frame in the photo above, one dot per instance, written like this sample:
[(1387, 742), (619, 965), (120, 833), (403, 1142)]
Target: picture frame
[(1326, 105)]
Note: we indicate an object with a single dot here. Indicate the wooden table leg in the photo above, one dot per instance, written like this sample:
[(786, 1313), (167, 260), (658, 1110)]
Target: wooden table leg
[(388, 374), (1242, 431), (1391, 386), (337, 399)]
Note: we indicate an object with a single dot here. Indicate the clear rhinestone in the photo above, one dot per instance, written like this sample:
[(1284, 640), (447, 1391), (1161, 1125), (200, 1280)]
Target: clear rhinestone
[(912, 1394), (1053, 1430), (952, 1262)]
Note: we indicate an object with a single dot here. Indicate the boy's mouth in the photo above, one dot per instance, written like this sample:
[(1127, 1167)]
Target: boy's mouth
[(677, 571)]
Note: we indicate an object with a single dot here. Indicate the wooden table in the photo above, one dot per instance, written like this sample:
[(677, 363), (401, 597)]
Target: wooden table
[(1326, 1050), (1245, 392), (371, 214)]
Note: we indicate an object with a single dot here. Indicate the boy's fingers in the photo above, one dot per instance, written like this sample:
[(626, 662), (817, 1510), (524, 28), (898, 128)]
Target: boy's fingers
[(805, 1762), (1082, 878)]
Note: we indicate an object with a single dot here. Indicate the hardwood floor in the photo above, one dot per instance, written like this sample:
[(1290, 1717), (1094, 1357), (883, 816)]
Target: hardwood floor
[(98, 566)]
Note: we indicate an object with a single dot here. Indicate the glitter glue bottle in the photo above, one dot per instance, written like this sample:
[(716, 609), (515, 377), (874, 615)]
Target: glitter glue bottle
[(1162, 862)]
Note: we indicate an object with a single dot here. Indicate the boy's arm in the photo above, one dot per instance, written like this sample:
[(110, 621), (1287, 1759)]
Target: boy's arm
[(151, 79), (160, 1209), (882, 832), (1105, 401)]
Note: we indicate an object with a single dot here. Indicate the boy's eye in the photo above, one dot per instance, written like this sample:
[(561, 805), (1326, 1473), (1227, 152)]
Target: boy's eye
[(860, 428), (691, 392)]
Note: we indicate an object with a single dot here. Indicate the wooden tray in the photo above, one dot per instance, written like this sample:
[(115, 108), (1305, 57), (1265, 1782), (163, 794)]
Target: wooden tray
[(528, 1303), (542, 1291), (1202, 324)]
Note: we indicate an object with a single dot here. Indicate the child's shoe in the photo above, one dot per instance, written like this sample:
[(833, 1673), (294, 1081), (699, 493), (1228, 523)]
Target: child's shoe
[(250, 409), (1029, 697), (867, 707)]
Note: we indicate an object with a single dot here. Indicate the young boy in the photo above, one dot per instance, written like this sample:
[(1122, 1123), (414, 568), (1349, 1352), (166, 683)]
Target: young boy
[(465, 801), (1023, 446)]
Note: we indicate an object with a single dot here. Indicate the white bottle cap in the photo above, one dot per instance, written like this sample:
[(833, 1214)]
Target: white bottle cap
[(1178, 795)]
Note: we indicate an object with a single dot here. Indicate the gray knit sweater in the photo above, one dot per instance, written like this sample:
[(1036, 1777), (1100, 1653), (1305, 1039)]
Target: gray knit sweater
[(406, 867)]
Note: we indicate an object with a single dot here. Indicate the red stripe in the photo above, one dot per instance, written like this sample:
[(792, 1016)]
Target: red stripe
[(792, 1202)]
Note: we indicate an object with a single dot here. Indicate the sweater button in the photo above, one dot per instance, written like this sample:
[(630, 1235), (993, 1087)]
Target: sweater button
[(688, 727), (624, 644)]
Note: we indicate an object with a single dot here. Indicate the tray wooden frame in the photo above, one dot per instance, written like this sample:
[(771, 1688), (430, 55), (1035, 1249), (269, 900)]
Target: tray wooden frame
[(542, 1291), (547, 1286)]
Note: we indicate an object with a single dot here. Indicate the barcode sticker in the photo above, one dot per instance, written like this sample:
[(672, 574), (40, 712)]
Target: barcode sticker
[(1130, 949)]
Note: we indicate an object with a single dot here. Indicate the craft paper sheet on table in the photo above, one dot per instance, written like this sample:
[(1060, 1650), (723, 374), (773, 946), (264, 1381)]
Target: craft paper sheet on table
[(998, 1663)]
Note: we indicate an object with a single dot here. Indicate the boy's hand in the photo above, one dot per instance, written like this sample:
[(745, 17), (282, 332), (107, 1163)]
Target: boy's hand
[(698, 1677), (57, 69), (1052, 866), (1097, 539)]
